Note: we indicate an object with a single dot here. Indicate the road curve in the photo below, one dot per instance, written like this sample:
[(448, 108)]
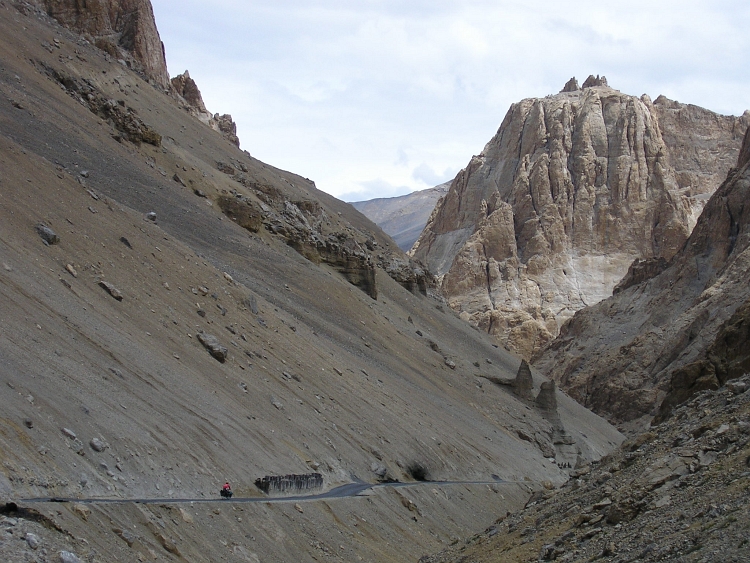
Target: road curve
[(343, 491)]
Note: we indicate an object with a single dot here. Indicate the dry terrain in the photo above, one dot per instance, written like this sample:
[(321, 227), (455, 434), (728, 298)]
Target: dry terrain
[(175, 313)]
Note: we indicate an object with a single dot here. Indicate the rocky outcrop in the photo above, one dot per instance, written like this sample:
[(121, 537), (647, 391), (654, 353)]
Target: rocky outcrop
[(116, 112), (663, 338), (405, 216), (307, 228), (126, 29), (187, 91), (572, 189)]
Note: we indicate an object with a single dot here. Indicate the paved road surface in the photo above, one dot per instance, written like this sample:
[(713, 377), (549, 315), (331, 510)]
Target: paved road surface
[(344, 491)]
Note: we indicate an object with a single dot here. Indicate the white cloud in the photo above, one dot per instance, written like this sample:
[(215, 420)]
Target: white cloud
[(376, 97)]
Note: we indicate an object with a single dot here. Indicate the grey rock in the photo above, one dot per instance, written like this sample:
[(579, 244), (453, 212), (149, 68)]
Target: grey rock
[(547, 398), (33, 540), (151, 216), (28, 423), (737, 387), (126, 536), (97, 445), (378, 469), (252, 303), (211, 344), (523, 383), (179, 180), (69, 433), (225, 168), (48, 235), (111, 289), (68, 557)]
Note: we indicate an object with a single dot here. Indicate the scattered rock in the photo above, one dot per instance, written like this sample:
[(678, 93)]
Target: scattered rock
[(186, 516), (211, 344), (225, 168), (111, 289), (379, 469), (33, 541), (69, 433), (126, 242), (169, 544), (68, 557), (97, 445), (28, 423), (125, 535), (737, 387), (151, 216), (48, 235), (179, 180)]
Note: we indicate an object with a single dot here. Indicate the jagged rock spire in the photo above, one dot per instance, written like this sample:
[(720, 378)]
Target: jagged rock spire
[(523, 384)]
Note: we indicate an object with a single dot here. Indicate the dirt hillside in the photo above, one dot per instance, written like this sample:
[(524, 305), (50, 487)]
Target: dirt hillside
[(176, 313)]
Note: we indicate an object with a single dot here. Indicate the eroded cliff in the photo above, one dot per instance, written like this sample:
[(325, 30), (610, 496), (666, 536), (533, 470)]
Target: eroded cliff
[(572, 188), (673, 331)]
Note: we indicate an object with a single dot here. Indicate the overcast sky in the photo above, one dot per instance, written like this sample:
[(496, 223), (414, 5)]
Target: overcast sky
[(377, 98)]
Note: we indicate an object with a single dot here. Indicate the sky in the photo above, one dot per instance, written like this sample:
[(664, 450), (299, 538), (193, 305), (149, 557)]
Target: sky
[(379, 98)]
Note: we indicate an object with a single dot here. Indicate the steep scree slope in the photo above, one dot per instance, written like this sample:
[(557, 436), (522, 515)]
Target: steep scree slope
[(166, 234)]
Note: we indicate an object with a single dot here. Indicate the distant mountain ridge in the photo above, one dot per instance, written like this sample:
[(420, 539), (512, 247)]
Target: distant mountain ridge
[(405, 216), (572, 188)]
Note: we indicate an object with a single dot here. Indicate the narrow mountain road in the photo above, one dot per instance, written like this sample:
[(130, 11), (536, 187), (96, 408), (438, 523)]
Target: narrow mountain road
[(344, 491)]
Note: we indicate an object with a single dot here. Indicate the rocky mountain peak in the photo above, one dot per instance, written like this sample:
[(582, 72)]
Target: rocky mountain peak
[(186, 87), (571, 190), (593, 81), (571, 85)]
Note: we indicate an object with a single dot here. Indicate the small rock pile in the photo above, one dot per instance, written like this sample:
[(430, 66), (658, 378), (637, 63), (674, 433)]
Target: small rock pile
[(680, 492)]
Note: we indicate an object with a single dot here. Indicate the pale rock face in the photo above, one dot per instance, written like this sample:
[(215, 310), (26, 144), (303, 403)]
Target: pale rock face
[(571, 190), (674, 328)]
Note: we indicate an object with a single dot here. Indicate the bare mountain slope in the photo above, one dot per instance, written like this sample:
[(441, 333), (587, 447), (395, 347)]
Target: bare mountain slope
[(405, 216), (572, 188), (328, 356), (680, 493), (670, 329)]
